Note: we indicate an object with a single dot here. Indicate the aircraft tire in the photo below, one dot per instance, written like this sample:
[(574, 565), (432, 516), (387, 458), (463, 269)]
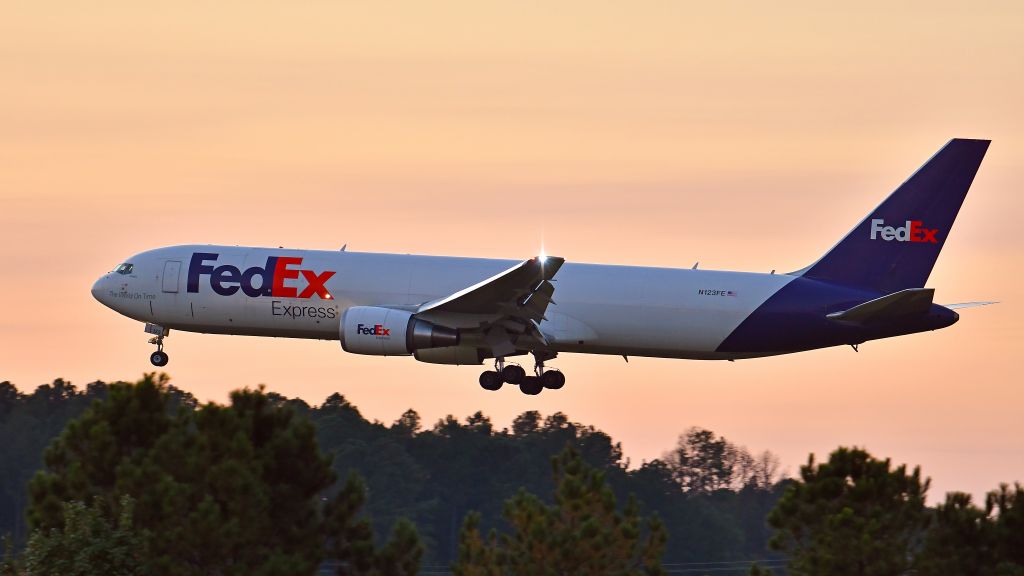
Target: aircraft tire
[(553, 379), (490, 380), (531, 386), (159, 358), (513, 374)]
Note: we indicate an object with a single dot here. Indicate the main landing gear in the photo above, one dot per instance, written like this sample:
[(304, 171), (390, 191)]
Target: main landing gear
[(516, 375), (158, 358)]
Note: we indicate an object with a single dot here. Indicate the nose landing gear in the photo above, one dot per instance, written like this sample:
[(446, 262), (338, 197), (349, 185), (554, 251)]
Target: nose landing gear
[(158, 358)]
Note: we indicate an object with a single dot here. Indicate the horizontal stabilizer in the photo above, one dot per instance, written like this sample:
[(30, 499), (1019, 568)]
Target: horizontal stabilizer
[(967, 305), (911, 301)]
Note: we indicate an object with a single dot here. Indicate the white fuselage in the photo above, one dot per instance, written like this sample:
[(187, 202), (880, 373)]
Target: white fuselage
[(602, 309)]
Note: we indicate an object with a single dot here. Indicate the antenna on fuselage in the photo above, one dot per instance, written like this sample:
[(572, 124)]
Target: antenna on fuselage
[(695, 265), (343, 247)]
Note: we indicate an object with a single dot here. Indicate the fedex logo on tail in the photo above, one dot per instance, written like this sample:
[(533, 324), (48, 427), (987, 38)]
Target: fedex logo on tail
[(275, 279), (912, 231)]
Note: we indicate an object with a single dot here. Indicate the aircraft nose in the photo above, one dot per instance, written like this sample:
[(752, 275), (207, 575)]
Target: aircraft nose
[(97, 289)]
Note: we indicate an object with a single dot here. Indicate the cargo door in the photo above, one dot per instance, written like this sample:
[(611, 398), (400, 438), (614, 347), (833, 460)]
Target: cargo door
[(170, 279)]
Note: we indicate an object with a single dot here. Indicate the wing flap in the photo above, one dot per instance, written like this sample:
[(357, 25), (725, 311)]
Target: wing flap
[(535, 303), (912, 301)]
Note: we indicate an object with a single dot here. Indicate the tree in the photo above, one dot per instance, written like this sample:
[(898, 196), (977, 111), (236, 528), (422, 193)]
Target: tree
[(959, 541), (743, 467), (480, 423), (526, 423), (28, 423), (87, 544), (853, 515), (1008, 504), (766, 470), (702, 462), (583, 532), (222, 489), (409, 424), (9, 397), (350, 538), (8, 567), (964, 539)]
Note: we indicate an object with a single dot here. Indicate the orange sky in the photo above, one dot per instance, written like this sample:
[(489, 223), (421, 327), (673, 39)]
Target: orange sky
[(746, 136)]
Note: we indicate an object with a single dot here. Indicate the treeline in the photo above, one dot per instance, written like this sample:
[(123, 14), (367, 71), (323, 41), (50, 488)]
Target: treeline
[(711, 495), (141, 479)]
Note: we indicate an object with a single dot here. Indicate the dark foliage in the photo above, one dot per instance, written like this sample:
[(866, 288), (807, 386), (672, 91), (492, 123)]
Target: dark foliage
[(860, 516), (236, 489), (966, 540), (584, 531), (432, 476), (853, 515), (28, 423), (88, 543), (436, 477), (712, 496)]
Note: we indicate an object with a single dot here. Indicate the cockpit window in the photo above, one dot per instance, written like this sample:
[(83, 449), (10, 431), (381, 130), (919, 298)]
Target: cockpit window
[(125, 268)]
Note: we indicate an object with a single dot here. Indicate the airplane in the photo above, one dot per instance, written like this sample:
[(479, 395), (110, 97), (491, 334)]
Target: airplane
[(448, 310)]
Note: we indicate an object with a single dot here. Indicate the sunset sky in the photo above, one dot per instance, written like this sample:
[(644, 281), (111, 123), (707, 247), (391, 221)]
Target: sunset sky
[(746, 136)]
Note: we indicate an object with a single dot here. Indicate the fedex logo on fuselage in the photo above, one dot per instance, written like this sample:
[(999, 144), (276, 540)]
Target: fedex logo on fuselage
[(913, 231), (273, 279)]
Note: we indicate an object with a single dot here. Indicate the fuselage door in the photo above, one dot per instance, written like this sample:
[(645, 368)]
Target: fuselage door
[(170, 279)]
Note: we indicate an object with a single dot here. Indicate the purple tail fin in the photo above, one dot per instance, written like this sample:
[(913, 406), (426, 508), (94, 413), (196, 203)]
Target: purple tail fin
[(896, 246)]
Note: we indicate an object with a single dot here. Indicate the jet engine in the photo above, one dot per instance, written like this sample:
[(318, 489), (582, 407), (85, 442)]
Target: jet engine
[(389, 332)]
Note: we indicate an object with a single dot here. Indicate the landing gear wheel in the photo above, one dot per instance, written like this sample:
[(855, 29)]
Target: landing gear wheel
[(490, 380), (552, 379), (531, 385), (513, 374), (159, 358)]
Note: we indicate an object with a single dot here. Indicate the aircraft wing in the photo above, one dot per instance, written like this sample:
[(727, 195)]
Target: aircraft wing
[(502, 308), (903, 303)]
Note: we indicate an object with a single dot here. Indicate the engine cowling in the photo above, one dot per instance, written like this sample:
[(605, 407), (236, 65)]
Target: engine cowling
[(389, 332), (458, 355)]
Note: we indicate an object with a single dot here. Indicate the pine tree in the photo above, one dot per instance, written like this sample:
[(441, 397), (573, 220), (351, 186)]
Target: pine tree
[(228, 490), (582, 532), (853, 515), (87, 544)]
